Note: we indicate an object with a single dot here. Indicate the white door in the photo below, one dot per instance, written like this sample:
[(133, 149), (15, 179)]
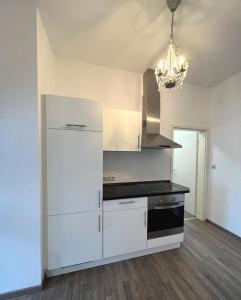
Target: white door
[(185, 165), (122, 130), (124, 231), (74, 171), (74, 239)]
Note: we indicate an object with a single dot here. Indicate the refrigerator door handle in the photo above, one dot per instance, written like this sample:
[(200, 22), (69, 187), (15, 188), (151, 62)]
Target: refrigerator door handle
[(99, 198), (76, 125), (99, 223)]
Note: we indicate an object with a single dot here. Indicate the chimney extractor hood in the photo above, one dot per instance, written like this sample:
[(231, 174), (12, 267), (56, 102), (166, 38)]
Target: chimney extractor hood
[(151, 137)]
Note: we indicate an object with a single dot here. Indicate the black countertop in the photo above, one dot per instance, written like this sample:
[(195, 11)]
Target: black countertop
[(123, 190)]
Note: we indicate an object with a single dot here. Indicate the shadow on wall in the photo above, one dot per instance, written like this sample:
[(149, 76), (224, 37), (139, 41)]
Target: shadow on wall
[(224, 189), (219, 213), (138, 166)]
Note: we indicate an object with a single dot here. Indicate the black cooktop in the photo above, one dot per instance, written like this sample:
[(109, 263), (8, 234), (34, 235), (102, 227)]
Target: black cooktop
[(123, 190)]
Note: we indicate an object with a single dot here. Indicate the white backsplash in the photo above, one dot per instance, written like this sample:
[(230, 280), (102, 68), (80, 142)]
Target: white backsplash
[(137, 166)]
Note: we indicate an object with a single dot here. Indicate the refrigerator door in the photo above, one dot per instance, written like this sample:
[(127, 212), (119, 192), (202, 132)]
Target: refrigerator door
[(74, 171), (74, 239)]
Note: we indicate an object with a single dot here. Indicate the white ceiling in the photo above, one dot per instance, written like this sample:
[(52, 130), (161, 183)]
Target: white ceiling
[(129, 34)]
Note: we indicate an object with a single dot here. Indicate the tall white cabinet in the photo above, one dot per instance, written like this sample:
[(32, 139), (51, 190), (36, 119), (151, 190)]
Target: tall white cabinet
[(74, 164)]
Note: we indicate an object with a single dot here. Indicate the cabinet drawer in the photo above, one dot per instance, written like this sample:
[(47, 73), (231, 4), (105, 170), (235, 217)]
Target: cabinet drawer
[(121, 204), (73, 113)]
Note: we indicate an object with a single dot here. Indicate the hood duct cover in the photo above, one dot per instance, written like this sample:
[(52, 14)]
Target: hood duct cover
[(151, 137)]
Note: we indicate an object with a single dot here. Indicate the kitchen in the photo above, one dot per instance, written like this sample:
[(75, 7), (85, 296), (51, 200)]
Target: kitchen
[(89, 208), (147, 216)]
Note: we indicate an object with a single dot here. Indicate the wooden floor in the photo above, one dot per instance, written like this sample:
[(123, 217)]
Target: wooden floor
[(187, 215), (207, 266)]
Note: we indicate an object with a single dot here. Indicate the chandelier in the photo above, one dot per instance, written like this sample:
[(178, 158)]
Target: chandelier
[(172, 67)]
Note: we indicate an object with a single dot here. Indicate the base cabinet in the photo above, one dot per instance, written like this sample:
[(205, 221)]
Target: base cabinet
[(74, 239), (124, 231)]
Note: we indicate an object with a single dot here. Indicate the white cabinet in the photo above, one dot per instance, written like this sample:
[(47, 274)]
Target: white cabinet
[(122, 130), (74, 239), (66, 113), (74, 171), (124, 230)]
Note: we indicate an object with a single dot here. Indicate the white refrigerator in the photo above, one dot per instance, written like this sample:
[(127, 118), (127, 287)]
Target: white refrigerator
[(74, 171)]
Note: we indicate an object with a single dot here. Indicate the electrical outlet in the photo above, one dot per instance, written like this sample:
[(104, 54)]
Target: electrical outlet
[(109, 178)]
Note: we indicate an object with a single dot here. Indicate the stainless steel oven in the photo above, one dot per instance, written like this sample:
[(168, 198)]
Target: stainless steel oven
[(165, 215)]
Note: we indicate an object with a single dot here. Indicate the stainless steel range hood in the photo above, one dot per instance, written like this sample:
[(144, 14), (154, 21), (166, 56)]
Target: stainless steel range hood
[(151, 137)]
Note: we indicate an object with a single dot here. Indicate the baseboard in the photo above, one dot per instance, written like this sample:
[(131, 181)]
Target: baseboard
[(104, 261), (26, 291), (224, 229), (22, 292), (44, 280)]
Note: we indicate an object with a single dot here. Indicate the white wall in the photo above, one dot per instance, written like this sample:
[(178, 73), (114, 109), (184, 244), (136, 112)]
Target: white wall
[(46, 60), (120, 89), (20, 250), (137, 166), (46, 85), (224, 203), (187, 106), (113, 88)]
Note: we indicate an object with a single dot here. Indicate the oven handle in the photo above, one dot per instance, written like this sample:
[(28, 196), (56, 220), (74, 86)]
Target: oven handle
[(168, 206)]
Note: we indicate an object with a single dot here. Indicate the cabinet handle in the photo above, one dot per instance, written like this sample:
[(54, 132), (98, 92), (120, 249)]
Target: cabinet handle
[(99, 198), (138, 141), (75, 125), (181, 204), (127, 202), (99, 225), (145, 219)]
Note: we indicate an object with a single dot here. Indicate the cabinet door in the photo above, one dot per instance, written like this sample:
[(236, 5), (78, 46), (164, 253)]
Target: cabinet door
[(65, 112), (74, 171), (124, 231), (122, 130), (74, 239)]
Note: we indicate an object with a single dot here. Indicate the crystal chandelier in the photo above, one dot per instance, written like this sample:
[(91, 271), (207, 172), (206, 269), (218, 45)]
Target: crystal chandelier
[(172, 67)]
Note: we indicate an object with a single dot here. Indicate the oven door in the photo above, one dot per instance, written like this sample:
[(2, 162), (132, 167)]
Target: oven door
[(165, 219)]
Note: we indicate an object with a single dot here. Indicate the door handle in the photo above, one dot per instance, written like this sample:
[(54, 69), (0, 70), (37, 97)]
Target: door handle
[(138, 141), (167, 206), (145, 219), (127, 202), (99, 223), (75, 125), (99, 198)]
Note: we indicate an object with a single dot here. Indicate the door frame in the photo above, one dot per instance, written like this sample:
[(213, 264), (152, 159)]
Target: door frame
[(205, 131)]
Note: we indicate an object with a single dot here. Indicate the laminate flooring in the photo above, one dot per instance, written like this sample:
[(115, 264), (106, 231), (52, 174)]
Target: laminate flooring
[(206, 266), (187, 215)]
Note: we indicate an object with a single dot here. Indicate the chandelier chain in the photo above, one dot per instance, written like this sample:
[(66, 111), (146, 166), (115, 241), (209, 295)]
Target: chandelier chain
[(172, 24)]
